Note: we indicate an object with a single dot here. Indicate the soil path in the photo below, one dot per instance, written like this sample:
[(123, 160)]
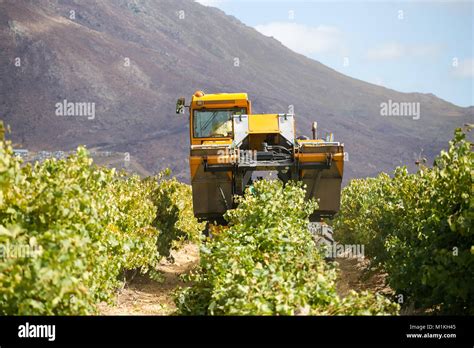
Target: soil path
[(145, 296), (355, 274)]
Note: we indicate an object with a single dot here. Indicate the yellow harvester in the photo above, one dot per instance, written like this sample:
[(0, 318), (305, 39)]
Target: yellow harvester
[(230, 146)]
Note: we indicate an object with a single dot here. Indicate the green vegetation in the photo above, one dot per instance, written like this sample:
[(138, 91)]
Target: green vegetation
[(175, 216), (68, 229), (266, 263), (419, 228)]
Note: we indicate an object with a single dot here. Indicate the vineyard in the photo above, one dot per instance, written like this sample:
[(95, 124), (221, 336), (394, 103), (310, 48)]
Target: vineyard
[(71, 232), (267, 263), (81, 227), (419, 229)]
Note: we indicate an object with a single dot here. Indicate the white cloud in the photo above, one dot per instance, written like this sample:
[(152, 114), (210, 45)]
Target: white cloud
[(465, 68), (394, 50), (305, 39)]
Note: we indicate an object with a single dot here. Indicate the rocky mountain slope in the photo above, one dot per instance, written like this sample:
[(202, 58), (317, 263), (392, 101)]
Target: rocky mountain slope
[(134, 58)]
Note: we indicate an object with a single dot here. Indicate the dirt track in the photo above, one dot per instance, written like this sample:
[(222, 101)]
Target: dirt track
[(355, 274), (144, 296)]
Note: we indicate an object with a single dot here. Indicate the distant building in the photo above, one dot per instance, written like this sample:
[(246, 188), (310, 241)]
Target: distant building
[(20, 152), (58, 154), (44, 154)]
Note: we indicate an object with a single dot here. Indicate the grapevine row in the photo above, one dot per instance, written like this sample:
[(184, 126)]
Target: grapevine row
[(419, 229), (68, 230), (267, 263)]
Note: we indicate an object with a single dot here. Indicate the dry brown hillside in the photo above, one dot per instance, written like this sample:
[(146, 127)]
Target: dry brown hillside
[(83, 60)]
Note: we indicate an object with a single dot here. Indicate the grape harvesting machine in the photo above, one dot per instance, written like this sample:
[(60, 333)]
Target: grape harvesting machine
[(231, 147)]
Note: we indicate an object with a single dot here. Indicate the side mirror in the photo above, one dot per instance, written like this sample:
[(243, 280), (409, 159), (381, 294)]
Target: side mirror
[(180, 105)]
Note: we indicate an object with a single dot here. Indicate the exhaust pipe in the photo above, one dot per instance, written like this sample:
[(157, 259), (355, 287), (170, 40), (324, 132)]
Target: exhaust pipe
[(315, 130)]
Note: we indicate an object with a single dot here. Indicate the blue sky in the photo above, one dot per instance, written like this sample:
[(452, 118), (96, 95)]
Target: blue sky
[(410, 46)]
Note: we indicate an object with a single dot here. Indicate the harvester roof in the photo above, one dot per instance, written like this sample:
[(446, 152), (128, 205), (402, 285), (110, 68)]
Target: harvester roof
[(220, 96)]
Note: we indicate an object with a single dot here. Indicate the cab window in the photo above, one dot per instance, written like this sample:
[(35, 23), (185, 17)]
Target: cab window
[(214, 123)]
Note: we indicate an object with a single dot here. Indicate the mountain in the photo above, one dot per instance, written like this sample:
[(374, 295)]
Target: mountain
[(134, 58)]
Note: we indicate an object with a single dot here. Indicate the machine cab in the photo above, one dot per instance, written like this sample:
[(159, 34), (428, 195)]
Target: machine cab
[(210, 116)]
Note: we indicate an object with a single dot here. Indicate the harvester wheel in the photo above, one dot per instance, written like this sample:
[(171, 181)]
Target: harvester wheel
[(206, 231)]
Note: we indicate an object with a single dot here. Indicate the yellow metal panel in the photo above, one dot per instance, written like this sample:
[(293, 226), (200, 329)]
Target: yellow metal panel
[(340, 167), (304, 142), (222, 96), (263, 123), (196, 161), (337, 159), (221, 100), (312, 157), (217, 142)]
